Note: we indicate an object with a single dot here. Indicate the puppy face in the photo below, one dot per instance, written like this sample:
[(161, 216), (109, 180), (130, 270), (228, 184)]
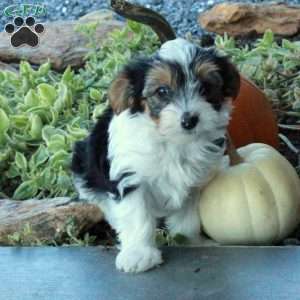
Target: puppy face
[(186, 90)]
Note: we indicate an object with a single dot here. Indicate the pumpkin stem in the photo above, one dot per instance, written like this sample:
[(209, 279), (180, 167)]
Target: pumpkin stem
[(234, 157)]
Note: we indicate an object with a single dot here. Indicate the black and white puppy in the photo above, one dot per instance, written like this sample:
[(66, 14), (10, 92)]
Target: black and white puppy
[(156, 145)]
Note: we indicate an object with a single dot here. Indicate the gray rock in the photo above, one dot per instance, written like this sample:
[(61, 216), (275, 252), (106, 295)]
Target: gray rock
[(60, 43), (242, 19)]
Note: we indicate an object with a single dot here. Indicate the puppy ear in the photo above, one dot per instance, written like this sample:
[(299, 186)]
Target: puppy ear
[(220, 80), (230, 76), (127, 89), (119, 93)]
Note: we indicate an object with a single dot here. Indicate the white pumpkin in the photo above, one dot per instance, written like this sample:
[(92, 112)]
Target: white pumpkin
[(256, 201)]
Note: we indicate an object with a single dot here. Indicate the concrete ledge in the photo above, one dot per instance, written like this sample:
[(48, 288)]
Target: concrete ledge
[(189, 273)]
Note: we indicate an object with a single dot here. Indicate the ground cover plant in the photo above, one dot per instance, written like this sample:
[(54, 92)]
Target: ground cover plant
[(42, 113), (273, 65)]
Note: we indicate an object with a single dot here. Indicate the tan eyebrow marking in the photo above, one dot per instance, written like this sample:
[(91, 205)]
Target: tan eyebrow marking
[(161, 75), (204, 69)]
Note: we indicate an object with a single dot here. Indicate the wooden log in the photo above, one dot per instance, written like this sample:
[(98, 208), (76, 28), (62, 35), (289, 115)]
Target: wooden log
[(47, 218), (145, 16)]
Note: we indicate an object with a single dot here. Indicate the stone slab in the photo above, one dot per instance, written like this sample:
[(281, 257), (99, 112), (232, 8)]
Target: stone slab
[(189, 273)]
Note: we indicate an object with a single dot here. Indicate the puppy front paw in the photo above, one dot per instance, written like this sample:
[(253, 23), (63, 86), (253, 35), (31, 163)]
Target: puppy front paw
[(138, 260)]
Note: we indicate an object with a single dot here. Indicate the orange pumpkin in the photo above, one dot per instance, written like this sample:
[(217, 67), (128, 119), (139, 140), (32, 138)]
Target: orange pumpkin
[(253, 120)]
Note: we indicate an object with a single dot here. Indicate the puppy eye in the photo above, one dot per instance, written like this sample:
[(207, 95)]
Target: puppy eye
[(163, 91)]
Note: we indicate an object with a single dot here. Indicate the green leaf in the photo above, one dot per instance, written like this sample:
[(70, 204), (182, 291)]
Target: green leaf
[(26, 69), (12, 172), (56, 143), (98, 111), (47, 93), (4, 104), (4, 122), (12, 78), (31, 99), (95, 94), (44, 69), (39, 157), (21, 161), (48, 131), (54, 116), (20, 121), (180, 239), (36, 126), (48, 177), (289, 45), (2, 76), (268, 38), (68, 76), (26, 84), (134, 26), (43, 111), (77, 133), (64, 180), (26, 190), (5, 154), (64, 99), (60, 159), (84, 111)]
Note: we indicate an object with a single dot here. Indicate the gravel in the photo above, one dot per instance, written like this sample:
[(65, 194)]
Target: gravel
[(181, 14)]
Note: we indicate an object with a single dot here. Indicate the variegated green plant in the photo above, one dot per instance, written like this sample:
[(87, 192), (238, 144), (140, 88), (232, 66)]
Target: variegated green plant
[(42, 113), (274, 66)]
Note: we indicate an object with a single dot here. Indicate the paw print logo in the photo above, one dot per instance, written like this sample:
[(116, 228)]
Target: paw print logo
[(24, 33)]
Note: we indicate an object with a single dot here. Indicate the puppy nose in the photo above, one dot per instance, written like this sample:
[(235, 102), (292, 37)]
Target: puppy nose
[(189, 121)]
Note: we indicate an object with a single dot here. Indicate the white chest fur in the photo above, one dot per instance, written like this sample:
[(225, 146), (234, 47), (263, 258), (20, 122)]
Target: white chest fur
[(167, 171)]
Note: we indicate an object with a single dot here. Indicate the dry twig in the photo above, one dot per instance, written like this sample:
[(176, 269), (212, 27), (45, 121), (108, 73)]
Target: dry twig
[(145, 16)]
